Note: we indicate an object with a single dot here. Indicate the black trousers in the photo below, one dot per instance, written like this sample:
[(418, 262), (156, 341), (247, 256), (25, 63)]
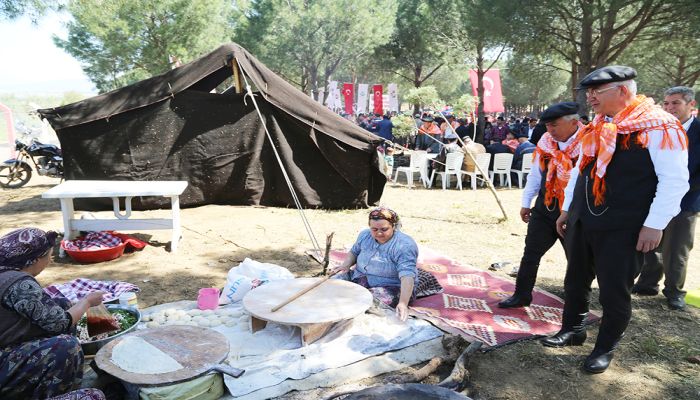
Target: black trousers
[(611, 256), (541, 236), (670, 259)]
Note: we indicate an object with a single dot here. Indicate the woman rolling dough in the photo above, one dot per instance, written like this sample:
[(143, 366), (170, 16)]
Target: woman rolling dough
[(384, 260)]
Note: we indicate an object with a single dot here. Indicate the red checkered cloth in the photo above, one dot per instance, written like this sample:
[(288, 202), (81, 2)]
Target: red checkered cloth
[(93, 241), (81, 287)]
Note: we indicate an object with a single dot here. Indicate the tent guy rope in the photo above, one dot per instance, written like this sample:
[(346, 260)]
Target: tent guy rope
[(307, 225)]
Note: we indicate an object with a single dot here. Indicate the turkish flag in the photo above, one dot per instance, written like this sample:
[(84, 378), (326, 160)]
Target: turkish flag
[(349, 95), (493, 98), (377, 93)]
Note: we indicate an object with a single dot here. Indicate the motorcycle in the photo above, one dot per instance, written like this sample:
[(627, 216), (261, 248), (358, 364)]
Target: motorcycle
[(47, 160)]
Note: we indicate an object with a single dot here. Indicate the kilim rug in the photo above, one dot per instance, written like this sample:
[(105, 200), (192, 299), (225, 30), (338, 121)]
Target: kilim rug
[(469, 304)]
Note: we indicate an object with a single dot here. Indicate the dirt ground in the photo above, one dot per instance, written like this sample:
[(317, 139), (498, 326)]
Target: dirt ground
[(466, 225)]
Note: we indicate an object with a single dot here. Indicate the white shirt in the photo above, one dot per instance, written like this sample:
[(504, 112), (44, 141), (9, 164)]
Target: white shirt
[(686, 124), (534, 179), (671, 167), (529, 132)]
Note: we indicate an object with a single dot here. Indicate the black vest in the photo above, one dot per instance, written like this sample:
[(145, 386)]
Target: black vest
[(630, 183), (552, 212)]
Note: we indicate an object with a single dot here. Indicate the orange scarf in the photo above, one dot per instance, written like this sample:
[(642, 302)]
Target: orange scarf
[(560, 163), (599, 138)]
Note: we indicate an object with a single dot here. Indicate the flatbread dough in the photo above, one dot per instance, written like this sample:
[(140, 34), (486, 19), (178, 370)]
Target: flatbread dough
[(133, 354)]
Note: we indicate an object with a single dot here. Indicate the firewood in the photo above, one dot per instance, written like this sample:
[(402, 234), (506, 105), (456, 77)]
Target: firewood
[(460, 376)]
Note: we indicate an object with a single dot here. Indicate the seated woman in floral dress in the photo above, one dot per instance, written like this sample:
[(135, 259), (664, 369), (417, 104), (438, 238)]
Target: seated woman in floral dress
[(385, 261), (39, 357)]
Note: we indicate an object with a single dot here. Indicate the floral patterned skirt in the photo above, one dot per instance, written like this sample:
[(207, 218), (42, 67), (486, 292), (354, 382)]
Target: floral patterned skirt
[(388, 295), (41, 368)]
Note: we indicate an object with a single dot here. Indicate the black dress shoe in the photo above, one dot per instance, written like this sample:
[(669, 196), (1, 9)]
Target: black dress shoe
[(676, 303), (644, 291), (566, 338), (597, 362), (516, 300)]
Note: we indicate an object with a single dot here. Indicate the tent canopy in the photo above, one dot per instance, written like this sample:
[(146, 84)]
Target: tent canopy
[(170, 127)]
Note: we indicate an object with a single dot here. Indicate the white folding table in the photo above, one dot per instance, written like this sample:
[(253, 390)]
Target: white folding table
[(69, 190)]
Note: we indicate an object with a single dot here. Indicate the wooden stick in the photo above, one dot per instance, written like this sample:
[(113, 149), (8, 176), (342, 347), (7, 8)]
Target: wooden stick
[(484, 174), (326, 257), (460, 376), (301, 293)]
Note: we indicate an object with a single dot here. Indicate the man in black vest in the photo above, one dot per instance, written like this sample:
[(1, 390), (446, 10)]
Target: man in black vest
[(556, 154), (671, 258), (631, 175)]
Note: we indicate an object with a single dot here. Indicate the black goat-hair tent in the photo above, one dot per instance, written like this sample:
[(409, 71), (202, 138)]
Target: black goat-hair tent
[(170, 127)]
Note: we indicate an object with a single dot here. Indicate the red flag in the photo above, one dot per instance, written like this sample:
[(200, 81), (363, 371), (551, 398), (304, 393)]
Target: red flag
[(378, 106), (493, 98), (349, 95)]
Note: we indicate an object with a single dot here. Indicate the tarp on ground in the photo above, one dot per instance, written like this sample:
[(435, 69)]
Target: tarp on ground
[(171, 127)]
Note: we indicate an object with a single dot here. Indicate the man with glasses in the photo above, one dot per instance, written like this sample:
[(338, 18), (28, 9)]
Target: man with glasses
[(630, 178), (671, 258)]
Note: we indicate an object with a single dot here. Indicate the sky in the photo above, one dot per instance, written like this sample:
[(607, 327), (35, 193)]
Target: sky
[(31, 64)]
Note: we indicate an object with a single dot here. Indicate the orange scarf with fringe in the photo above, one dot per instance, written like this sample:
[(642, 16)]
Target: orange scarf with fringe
[(558, 164), (599, 138)]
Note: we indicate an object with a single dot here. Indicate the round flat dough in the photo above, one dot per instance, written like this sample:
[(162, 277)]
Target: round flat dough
[(133, 354)]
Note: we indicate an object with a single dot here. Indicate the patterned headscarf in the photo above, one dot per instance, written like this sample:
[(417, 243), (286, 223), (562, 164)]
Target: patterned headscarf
[(386, 214), (22, 247)]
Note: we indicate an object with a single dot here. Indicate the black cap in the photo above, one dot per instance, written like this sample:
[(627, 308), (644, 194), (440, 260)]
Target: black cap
[(559, 110), (609, 74), (427, 118)]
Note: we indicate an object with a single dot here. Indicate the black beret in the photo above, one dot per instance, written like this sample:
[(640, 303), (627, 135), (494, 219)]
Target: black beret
[(558, 110), (612, 73), (427, 118)]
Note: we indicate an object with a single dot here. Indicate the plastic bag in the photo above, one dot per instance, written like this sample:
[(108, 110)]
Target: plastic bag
[(248, 275)]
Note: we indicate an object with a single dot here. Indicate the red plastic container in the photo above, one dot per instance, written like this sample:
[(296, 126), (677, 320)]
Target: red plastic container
[(95, 256)]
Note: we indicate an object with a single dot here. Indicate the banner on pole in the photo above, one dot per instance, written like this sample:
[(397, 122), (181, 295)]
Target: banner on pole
[(393, 97), (493, 98), (349, 96), (361, 107), (378, 90)]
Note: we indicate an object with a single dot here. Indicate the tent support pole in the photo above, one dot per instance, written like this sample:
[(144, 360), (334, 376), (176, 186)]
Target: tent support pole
[(236, 76), (476, 164)]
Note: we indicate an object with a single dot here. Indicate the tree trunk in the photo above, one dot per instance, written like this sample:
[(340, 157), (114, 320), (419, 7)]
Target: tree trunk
[(312, 73), (481, 117), (417, 82), (585, 65)]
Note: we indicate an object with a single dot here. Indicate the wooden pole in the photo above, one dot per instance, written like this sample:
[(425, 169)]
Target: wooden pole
[(326, 257), (301, 293), (236, 77), (476, 164)]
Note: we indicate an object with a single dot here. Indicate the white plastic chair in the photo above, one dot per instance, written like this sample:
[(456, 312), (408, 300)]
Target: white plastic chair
[(453, 166), (501, 167), (482, 160), (524, 169), (416, 165)]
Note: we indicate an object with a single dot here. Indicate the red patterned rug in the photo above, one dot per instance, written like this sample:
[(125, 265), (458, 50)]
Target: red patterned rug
[(469, 304)]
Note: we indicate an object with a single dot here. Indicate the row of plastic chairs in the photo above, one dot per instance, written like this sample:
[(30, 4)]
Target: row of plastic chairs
[(502, 162)]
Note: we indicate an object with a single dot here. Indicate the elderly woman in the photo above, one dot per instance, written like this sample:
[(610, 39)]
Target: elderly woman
[(385, 261), (39, 359)]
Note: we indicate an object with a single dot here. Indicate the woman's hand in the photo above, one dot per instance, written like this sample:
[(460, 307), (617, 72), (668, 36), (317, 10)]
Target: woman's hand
[(344, 266), (402, 311), (94, 298), (81, 307)]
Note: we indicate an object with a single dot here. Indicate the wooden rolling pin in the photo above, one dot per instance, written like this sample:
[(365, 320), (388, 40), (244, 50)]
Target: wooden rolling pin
[(302, 292)]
